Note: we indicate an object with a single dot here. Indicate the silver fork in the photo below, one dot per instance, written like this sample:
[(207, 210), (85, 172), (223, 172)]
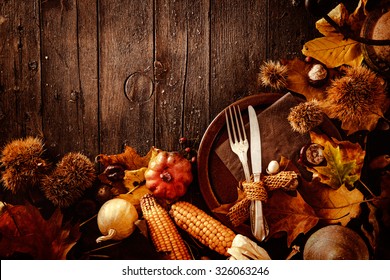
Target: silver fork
[(237, 137)]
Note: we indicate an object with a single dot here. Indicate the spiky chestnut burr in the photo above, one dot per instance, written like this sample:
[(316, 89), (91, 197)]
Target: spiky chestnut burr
[(305, 116), (72, 176), (23, 164), (273, 74), (356, 99)]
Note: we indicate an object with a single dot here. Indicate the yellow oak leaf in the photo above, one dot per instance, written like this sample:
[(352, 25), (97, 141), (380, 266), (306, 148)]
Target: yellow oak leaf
[(334, 51)]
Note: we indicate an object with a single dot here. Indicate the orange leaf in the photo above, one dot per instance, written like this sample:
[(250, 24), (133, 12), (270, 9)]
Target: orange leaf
[(290, 214), (330, 205), (129, 159), (356, 19), (298, 81)]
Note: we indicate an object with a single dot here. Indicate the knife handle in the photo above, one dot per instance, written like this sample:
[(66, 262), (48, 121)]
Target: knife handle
[(258, 223), (256, 177)]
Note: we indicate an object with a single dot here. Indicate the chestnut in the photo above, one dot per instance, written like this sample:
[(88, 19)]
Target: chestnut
[(317, 75), (312, 155)]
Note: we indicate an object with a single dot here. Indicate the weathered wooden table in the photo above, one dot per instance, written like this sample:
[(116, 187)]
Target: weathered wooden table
[(91, 76), (94, 76)]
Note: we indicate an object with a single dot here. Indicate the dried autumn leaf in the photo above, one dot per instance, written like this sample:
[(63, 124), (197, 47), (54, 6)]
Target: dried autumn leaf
[(337, 171), (373, 232), (356, 19), (334, 51), (24, 230), (344, 162), (383, 201), (339, 15), (298, 81), (330, 205), (290, 214), (129, 159)]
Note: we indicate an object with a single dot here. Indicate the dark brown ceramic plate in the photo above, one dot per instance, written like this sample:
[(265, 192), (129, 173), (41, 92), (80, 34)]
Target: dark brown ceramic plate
[(218, 186)]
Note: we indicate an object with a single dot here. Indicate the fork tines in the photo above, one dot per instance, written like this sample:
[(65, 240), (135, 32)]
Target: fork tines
[(238, 125)]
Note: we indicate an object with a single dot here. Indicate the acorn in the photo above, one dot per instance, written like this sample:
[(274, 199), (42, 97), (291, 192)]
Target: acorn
[(23, 164), (312, 155), (72, 176), (318, 75)]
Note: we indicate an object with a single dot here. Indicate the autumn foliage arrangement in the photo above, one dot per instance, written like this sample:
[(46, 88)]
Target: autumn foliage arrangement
[(314, 207), (335, 83)]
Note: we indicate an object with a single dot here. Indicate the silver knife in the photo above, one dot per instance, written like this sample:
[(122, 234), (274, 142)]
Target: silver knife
[(258, 224)]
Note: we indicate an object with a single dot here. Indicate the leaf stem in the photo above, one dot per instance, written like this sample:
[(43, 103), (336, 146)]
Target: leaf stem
[(367, 188), (88, 220), (348, 34), (103, 247)]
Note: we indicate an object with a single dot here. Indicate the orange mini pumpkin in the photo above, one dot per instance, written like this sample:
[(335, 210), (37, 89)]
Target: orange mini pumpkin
[(168, 175)]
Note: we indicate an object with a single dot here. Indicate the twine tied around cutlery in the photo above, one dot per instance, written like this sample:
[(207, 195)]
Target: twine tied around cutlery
[(285, 180)]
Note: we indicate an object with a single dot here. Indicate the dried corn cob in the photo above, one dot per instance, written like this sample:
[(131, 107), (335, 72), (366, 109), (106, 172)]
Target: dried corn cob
[(164, 234), (203, 227)]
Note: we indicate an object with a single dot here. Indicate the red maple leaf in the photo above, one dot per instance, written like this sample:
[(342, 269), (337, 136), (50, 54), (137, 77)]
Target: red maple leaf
[(24, 230)]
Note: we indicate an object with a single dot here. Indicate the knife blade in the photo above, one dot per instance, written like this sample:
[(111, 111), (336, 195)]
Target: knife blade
[(258, 224)]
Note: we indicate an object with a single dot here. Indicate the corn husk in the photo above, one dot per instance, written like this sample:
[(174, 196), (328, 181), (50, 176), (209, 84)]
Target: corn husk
[(245, 249)]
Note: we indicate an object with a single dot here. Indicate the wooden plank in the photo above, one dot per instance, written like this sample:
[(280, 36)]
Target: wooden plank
[(20, 99), (290, 26), (88, 75), (126, 75), (171, 51), (238, 45), (196, 92), (69, 76)]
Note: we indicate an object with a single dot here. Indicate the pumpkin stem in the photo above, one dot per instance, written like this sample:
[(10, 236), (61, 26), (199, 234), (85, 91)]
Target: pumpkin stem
[(110, 235), (166, 176)]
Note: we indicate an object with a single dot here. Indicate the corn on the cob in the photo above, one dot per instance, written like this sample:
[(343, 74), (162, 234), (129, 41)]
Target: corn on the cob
[(163, 232), (203, 227)]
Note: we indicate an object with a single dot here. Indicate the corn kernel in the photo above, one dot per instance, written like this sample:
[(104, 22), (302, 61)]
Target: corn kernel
[(203, 227)]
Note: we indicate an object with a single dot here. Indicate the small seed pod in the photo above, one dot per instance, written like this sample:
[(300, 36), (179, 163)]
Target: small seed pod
[(273, 167), (317, 75), (312, 155)]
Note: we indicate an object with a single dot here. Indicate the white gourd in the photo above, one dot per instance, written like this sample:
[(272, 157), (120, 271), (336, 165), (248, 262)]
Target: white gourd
[(116, 219)]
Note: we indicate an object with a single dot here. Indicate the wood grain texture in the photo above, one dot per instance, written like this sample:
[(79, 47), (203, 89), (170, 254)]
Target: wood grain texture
[(196, 92), (20, 77), (171, 72), (69, 87), (289, 28), (238, 45), (94, 76), (126, 75)]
